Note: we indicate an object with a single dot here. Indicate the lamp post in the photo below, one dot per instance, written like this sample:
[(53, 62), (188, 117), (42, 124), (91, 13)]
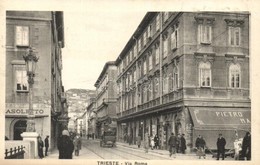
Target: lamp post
[(30, 60)]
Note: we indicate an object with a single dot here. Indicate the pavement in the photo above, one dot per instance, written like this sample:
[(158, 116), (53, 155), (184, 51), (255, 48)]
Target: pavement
[(158, 152)]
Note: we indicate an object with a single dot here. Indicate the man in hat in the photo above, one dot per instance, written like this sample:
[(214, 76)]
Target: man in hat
[(46, 143), (221, 142)]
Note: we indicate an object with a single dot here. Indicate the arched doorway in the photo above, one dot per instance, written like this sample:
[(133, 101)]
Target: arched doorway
[(19, 128)]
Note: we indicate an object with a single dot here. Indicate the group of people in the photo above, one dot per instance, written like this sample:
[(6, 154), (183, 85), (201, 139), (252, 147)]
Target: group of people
[(221, 143), (67, 144), (177, 144), (41, 145)]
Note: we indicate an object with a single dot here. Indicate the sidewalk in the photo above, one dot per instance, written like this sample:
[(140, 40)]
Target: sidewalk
[(165, 153)]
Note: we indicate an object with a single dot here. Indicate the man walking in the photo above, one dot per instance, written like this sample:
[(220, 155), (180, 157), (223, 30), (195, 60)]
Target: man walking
[(46, 143), (221, 142), (172, 144)]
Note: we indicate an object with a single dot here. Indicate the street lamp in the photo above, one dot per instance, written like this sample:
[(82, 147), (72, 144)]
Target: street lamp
[(30, 60)]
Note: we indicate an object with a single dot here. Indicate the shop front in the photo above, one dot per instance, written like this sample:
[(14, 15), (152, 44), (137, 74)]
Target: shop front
[(209, 122), (16, 120)]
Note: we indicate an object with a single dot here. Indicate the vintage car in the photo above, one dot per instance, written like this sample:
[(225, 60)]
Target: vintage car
[(108, 137)]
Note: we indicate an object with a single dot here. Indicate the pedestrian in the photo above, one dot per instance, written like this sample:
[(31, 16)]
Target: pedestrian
[(178, 143), (46, 143), (200, 145), (172, 144), (65, 146), (246, 147), (152, 142), (237, 148), (146, 142), (156, 141), (183, 144), (77, 144), (138, 140), (221, 142), (130, 139), (40, 147)]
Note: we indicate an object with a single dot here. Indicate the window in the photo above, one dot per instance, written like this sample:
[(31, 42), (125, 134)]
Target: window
[(150, 90), (145, 67), (175, 79), (165, 83), (174, 36), (234, 75), (205, 33), (165, 48), (129, 57), (22, 36), (134, 53), (149, 31), (156, 87), (157, 22), (205, 74), (139, 45), (157, 55), (133, 99), (144, 38), (134, 76), (130, 79), (234, 36), (150, 62), (145, 93), (126, 60), (139, 71), (21, 80), (165, 16)]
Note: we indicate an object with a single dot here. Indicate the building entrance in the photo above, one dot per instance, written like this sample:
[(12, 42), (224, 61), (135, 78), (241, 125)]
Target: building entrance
[(19, 128)]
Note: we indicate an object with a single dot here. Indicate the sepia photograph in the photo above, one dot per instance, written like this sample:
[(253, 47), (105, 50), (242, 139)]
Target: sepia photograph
[(126, 87)]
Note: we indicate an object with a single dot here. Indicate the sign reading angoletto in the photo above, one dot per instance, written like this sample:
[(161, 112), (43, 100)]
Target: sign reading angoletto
[(21, 109)]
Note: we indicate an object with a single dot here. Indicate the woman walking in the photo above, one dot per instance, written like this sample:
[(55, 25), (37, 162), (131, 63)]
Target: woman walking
[(156, 141), (77, 144), (40, 147), (65, 146), (138, 140)]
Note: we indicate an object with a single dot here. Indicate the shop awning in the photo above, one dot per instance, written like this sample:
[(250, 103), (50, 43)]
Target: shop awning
[(220, 118), (210, 121)]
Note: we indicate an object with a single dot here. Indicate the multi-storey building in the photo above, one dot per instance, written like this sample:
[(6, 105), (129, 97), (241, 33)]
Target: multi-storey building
[(186, 73), (91, 113), (42, 30), (106, 97)]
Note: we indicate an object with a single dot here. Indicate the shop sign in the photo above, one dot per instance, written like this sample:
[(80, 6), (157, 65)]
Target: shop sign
[(21, 109), (222, 117)]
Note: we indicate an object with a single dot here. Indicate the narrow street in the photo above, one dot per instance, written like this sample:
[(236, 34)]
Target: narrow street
[(92, 150)]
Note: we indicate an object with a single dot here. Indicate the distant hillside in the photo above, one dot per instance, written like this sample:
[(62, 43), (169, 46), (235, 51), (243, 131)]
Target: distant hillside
[(73, 90), (78, 99)]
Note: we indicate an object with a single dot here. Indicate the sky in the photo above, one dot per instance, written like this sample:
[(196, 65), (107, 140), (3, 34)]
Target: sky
[(91, 39)]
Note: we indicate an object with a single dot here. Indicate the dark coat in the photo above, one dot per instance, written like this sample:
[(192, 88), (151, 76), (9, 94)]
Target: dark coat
[(221, 142), (172, 141), (246, 146), (156, 140), (40, 148), (183, 143), (200, 142), (65, 147), (46, 142)]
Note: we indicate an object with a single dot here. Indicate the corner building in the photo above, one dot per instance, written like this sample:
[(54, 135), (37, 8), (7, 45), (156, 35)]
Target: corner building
[(42, 30), (105, 102), (186, 73)]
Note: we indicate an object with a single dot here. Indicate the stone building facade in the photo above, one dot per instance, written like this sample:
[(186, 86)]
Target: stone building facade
[(42, 30), (106, 98), (186, 73)]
